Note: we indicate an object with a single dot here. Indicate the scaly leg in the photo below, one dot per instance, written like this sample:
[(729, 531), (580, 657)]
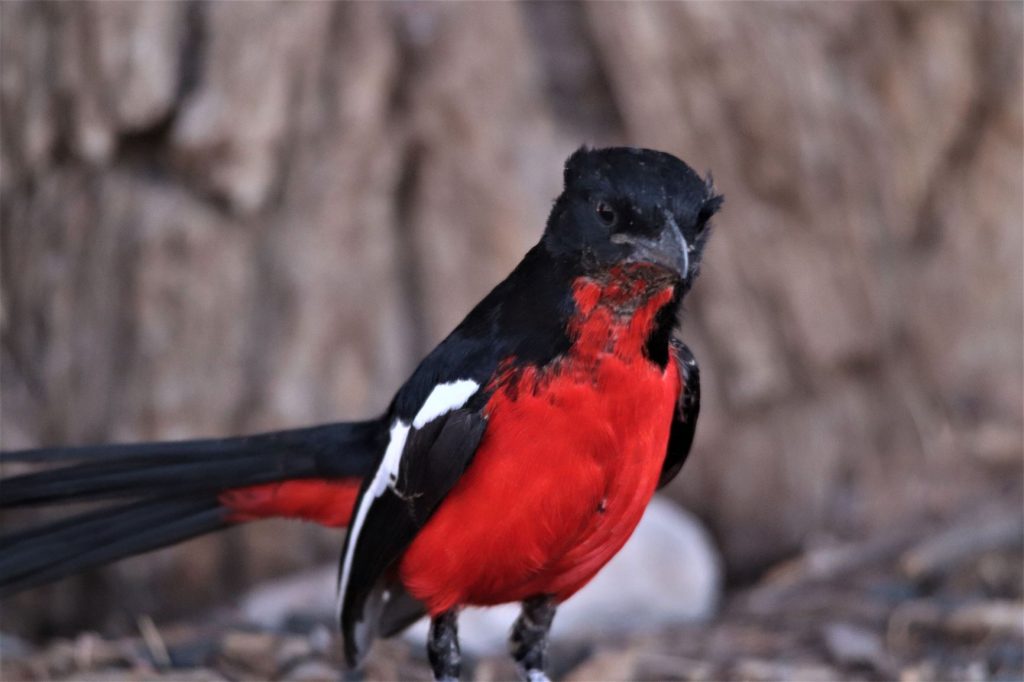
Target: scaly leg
[(529, 641), (443, 647)]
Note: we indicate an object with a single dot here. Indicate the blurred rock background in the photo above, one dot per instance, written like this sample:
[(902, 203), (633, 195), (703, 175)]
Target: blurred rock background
[(229, 217)]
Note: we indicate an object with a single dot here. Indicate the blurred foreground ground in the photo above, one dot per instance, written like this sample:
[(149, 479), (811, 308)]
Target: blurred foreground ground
[(939, 601)]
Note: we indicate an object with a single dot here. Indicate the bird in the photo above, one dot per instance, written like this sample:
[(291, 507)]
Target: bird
[(513, 464)]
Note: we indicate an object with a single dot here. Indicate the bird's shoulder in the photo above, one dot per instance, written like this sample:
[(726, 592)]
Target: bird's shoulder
[(522, 321)]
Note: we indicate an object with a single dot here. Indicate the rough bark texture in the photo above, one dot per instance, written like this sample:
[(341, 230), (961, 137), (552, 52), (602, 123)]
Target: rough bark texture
[(225, 217)]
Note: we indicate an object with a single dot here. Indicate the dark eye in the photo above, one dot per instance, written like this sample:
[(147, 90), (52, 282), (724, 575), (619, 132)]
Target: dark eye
[(606, 213)]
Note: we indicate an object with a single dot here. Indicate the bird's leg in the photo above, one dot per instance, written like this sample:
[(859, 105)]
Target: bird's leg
[(529, 641), (443, 646)]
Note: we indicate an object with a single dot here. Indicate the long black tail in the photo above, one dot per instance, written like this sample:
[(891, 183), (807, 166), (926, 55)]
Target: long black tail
[(48, 552), (169, 491), (343, 450)]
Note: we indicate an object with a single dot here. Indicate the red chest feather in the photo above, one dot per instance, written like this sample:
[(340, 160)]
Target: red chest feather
[(569, 461)]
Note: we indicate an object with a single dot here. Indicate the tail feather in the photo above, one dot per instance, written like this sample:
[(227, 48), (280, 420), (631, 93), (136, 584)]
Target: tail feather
[(52, 551), (84, 528), (132, 478), (324, 439), (174, 491), (344, 450)]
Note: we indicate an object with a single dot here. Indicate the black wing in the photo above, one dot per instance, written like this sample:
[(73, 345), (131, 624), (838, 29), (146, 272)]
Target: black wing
[(684, 421), (397, 507)]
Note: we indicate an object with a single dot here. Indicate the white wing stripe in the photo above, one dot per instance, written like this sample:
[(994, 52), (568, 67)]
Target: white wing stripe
[(442, 400), (387, 472)]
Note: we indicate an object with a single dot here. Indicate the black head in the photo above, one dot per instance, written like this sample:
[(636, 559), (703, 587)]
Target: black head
[(624, 204)]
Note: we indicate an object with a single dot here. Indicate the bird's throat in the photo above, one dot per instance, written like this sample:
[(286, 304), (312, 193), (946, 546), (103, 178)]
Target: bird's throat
[(617, 310)]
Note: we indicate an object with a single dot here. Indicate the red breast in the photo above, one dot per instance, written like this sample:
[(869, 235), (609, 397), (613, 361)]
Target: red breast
[(570, 459)]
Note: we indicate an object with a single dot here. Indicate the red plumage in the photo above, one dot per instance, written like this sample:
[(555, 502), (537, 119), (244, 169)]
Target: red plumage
[(570, 459), (327, 502)]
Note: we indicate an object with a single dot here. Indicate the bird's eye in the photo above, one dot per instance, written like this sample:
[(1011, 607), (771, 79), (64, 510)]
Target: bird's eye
[(606, 213)]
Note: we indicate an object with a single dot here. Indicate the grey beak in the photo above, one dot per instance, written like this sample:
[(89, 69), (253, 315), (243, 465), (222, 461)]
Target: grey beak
[(669, 250)]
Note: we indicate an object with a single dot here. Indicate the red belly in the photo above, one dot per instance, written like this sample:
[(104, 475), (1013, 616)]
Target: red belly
[(564, 472)]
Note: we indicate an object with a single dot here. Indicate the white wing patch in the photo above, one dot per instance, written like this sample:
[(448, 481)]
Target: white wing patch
[(387, 474), (442, 400)]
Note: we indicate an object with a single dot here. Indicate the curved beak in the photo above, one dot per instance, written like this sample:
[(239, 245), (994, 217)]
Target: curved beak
[(669, 250)]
